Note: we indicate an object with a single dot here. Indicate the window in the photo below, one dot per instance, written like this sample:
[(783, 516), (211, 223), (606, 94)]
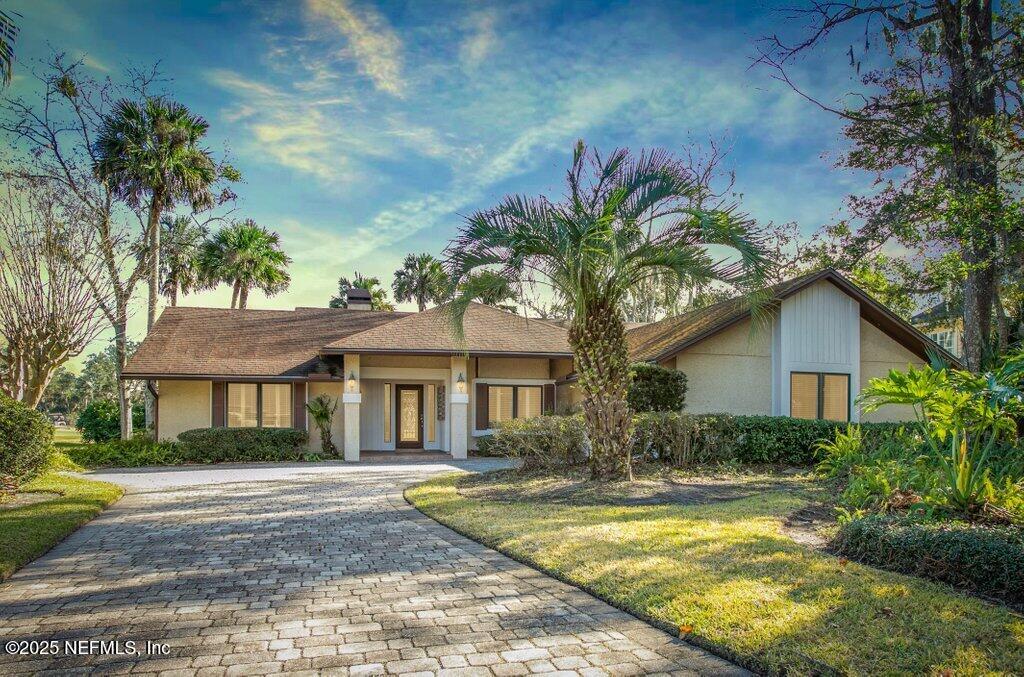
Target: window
[(259, 405), (945, 339), (429, 409), (817, 395), (507, 402), (387, 412), (276, 405)]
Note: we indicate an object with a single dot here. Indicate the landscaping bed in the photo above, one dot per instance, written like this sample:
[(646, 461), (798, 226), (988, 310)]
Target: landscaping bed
[(726, 575), (29, 527)]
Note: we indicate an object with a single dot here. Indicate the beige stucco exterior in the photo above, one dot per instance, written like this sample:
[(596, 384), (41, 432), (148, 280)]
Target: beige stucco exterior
[(183, 405), (879, 353), (730, 371)]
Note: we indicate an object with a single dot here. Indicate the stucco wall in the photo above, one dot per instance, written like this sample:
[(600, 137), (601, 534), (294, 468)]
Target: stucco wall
[(513, 367), (334, 389), (183, 405), (879, 354), (729, 372)]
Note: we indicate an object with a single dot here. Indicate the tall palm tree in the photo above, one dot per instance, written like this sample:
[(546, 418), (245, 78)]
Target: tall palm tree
[(246, 256), (182, 244), (378, 296), (8, 35), (491, 289), (421, 279), (151, 150), (623, 220)]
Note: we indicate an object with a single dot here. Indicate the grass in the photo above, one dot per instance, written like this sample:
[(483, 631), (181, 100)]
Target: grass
[(726, 573), (28, 531)]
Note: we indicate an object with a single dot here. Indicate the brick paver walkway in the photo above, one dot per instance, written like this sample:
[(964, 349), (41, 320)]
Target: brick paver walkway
[(328, 570)]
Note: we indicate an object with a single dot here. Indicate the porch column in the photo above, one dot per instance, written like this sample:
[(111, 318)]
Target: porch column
[(459, 414), (351, 400)]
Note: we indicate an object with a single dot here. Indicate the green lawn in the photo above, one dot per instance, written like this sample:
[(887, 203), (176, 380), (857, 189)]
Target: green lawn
[(28, 531), (725, 571)]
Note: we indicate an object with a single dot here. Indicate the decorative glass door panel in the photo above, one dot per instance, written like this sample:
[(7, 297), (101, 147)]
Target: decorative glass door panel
[(410, 415)]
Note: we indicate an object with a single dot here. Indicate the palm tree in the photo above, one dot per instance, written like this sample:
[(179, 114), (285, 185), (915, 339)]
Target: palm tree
[(150, 150), (490, 288), (623, 220), (246, 256), (378, 296), (421, 279), (182, 244), (8, 35)]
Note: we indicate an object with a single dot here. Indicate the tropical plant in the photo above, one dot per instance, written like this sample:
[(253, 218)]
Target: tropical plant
[(8, 34), (623, 220), (181, 244), (321, 408), (421, 279), (490, 289), (245, 255), (150, 151), (378, 296), (964, 418)]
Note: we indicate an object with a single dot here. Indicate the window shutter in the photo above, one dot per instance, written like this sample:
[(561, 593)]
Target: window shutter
[(548, 399), (481, 407), (219, 407), (299, 406)]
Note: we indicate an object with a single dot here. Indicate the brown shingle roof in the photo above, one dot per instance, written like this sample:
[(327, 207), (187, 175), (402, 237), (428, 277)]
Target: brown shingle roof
[(223, 342), (487, 331), (663, 339)]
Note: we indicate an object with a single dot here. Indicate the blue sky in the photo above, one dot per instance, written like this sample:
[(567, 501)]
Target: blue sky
[(364, 130)]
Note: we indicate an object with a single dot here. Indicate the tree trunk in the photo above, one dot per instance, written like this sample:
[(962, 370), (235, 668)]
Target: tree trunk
[(121, 349), (599, 345), (234, 294), (967, 48), (243, 296), (174, 293), (155, 207)]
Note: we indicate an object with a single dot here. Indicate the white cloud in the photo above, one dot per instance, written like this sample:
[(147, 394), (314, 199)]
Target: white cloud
[(371, 42), (482, 37)]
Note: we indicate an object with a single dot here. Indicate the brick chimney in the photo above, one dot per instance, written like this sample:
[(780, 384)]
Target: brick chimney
[(358, 299)]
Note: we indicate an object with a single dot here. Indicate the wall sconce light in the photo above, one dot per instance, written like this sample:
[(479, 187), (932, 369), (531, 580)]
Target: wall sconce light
[(460, 383), (352, 381)]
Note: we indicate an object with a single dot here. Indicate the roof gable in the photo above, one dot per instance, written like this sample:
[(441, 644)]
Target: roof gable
[(664, 339)]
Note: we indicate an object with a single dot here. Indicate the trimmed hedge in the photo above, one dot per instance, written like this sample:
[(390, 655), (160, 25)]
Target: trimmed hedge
[(26, 438), (227, 445), (655, 388), (681, 439), (985, 559)]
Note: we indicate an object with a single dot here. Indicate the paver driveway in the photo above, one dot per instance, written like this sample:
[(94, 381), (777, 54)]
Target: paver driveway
[(323, 568)]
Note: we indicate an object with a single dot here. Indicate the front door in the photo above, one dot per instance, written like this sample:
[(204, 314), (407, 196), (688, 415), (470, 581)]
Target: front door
[(410, 416)]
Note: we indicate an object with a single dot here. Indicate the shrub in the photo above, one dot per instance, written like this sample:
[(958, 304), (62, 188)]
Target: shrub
[(682, 439), (225, 445), (26, 438), (986, 559), (655, 388), (321, 409), (100, 421), (141, 450), (541, 442)]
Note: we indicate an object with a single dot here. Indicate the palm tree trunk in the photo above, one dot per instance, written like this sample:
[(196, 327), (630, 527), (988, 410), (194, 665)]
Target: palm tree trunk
[(155, 207), (174, 293), (121, 350), (599, 345), (243, 296), (234, 294)]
